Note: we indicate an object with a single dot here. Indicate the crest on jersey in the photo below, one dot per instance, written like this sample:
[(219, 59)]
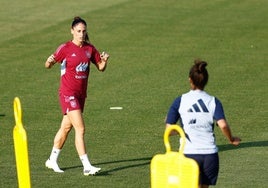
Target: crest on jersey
[(88, 54)]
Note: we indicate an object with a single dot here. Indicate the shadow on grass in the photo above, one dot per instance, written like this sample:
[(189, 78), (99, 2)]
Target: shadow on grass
[(147, 160), (227, 147), (142, 162)]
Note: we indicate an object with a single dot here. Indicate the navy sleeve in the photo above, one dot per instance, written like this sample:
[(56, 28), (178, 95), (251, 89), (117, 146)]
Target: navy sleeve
[(173, 113), (219, 112)]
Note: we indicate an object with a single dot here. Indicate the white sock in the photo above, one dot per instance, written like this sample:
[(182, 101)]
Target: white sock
[(85, 161), (54, 154)]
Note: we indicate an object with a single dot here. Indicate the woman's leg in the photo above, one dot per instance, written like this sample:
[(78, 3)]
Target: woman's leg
[(59, 141), (63, 132), (77, 121)]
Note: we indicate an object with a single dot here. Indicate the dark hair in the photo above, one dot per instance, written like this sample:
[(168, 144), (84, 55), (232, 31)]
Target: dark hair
[(199, 74), (78, 20)]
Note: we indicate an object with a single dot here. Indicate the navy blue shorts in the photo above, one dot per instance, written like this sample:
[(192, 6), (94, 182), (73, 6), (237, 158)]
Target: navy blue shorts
[(208, 166)]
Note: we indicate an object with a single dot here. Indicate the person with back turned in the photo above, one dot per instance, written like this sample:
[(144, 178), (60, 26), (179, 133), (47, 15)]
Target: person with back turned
[(196, 112)]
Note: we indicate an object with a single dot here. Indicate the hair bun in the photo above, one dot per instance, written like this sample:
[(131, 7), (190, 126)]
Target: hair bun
[(201, 65), (77, 18)]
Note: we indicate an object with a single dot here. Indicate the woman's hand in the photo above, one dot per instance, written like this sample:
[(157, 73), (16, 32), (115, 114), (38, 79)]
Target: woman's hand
[(104, 56), (103, 62), (50, 61), (235, 141)]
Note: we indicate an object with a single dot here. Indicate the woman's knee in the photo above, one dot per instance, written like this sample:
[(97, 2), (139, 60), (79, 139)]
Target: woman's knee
[(67, 129), (80, 130)]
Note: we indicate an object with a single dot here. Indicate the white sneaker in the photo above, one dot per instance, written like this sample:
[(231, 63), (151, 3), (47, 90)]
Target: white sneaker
[(91, 171), (54, 166)]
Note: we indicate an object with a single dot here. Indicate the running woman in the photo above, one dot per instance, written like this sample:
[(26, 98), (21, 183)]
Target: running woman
[(75, 57), (196, 111)]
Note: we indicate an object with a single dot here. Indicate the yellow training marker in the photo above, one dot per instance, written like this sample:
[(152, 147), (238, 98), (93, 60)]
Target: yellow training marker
[(173, 169), (21, 148)]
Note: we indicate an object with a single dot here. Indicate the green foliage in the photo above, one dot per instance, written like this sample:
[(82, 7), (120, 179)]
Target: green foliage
[(152, 45)]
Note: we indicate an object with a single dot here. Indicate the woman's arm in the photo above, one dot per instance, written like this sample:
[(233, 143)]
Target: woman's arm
[(225, 129), (50, 61), (103, 62)]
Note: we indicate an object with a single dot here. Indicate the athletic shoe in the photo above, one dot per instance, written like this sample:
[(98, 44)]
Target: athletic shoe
[(91, 171), (54, 166)]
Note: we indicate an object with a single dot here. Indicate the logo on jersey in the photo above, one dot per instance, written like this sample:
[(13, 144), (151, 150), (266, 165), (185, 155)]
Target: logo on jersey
[(192, 121), (82, 67), (88, 54), (199, 107)]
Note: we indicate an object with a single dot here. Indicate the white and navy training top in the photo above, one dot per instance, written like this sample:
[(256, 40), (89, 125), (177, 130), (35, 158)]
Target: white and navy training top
[(196, 111)]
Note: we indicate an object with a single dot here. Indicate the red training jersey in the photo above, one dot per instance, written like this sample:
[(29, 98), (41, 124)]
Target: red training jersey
[(75, 67)]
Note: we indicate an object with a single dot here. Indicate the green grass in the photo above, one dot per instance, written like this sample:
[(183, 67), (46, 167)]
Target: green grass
[(152, 46)]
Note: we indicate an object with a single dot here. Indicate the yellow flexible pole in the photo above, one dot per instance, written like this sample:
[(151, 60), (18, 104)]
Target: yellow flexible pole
[(21, 148)]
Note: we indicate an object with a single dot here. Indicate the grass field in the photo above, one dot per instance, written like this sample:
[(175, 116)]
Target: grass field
[(152, 46)]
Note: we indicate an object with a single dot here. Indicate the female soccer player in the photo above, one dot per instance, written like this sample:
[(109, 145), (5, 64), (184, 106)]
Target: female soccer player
[(75, 57), (197, 111)]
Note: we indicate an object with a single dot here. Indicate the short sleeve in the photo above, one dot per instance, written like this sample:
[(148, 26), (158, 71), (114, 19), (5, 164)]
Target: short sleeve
[(219, 112), (95, 58), (173, 113), (59, 54)]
